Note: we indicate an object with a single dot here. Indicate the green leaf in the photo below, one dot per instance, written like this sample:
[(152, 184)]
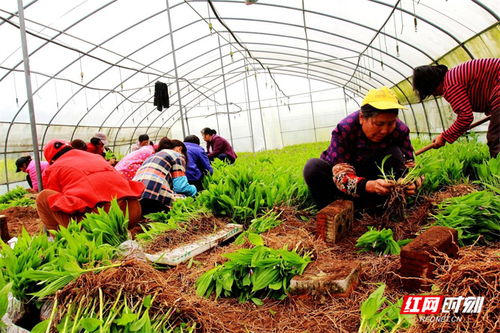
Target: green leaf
[(255, 239), (41, 327), (90, 324), (126, 319), (257, 301)]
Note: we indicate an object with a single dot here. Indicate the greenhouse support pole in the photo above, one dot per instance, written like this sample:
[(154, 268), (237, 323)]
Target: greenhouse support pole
[(187, 122), (260, 111), (225, 91), (312, 110), (216, 114), (29, 93), (249, 108), (345, 103), (175, 69), (279, 117)]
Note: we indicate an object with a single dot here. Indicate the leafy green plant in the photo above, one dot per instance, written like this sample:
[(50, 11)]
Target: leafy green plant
[(4, 300), (183, 210), (39, 267), (475, 216), (259, 225), (16, 193), (380, 241), (15, 198), (253, 274), (488, 172), (375, 319), (111, 227)]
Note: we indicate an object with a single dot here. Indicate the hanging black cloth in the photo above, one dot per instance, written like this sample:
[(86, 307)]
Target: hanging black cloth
[(161, 99)]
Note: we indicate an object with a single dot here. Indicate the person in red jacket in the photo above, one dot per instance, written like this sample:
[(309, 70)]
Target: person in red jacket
[(217, 146), (473, 86), (77, 182)]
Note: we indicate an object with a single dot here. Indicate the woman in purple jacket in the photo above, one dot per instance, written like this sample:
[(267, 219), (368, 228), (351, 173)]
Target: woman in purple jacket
[(198, 164), (217, 146)]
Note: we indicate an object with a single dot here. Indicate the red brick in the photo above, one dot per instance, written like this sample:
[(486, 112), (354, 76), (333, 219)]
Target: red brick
[(4, 229), (334, 221), (417, 257)]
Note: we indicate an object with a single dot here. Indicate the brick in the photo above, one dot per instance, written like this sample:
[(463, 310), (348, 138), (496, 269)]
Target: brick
[(338, 281), (4, 229), (417, 260), (334, 221)]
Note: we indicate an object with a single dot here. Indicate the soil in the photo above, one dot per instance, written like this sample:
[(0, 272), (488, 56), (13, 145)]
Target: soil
[(176, 287), (186, 233), (19, 217)]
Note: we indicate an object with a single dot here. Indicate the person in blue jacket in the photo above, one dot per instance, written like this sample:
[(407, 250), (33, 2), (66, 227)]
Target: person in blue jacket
[(198, 163)]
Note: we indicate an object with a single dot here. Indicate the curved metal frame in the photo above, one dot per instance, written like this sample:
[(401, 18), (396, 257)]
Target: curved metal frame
[(216, 86)]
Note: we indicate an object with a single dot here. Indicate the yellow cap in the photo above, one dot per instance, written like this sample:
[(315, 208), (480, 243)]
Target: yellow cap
[(382, 98)]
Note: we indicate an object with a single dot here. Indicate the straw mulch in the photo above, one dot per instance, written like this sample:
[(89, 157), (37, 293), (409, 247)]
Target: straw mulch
[(475, 273), (175, 287)]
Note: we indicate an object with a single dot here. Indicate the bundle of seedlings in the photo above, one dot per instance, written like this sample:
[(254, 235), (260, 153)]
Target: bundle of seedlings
[(380, 241), (185, 232), (476, 216), (122, 315), (253, 274), (476, 272), (182, 211), (394, 206), (132, 294)]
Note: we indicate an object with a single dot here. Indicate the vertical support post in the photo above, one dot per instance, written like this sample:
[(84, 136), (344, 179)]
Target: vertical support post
[(187, 122), (260, 111), (216, 114), (345, 103), (175, 69), (250, 122), (29, 93), (279, 116), (312, 110), (225, 91)]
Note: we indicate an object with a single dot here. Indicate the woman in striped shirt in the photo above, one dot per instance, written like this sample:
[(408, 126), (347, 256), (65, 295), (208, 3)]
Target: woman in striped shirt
[(473, 86)]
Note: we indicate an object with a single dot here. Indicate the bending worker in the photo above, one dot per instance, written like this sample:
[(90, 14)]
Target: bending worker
[(473, 86), (348, 169), (77, 182)]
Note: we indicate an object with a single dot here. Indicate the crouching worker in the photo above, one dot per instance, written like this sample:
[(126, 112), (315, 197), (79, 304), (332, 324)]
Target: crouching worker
[(164, 175), (77, 182), (26, 164), (349, 168)]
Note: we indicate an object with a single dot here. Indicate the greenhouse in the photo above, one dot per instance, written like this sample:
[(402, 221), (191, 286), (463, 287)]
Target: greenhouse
[(250, 166)]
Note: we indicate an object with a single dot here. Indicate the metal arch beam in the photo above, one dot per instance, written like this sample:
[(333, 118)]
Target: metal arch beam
[(344, 73), (113, 37), (358, 24), (134, 25), (31, 53), (281, 72), (488, 9), (431, 24), (329, 69), (297, 72), (351, 50), (217, 85), (64, 68), (333, 45), (60, 33)]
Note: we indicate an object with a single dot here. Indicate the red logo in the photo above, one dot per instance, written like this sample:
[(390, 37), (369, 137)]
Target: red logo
[(415, 304)]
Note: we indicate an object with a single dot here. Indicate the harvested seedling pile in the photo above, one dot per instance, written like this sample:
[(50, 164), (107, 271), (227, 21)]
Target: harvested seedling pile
[(186, 232), (133, 280), (475, 273)]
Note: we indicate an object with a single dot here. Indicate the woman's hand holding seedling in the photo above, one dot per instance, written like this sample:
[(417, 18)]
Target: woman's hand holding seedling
[(379, 186)]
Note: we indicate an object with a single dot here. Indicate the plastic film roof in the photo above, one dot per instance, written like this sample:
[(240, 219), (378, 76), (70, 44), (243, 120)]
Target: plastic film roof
[(94, 63)]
